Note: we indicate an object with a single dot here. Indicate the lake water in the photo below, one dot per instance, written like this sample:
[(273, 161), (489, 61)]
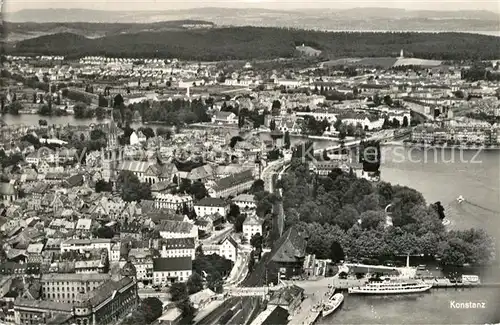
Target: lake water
[(434, 307), (475, 176)]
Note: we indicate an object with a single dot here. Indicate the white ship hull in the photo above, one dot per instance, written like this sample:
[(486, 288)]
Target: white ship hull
[(387, 291), (333, 304)]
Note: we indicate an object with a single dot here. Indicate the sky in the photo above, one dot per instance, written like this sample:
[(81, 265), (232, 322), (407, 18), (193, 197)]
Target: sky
[(15, 5)]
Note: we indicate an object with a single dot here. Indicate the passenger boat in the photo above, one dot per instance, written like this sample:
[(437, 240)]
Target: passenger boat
[(332, 304), (391, 287)]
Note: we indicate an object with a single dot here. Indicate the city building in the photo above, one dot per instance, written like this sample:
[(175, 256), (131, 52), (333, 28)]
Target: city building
[(177, 229), (232, 185), (245, 201), (251, 226), (64, 287), (229, 249), (178, 247), (168, 270), (208, 205)]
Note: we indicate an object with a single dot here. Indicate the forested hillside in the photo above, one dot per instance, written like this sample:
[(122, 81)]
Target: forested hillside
[(246, 43)]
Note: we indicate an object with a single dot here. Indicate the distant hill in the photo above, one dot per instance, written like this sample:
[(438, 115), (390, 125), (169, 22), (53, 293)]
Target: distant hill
[(246, 43), (325, 19), (21, 31)]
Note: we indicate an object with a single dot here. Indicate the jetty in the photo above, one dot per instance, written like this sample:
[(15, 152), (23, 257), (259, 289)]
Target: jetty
[(306, 314)]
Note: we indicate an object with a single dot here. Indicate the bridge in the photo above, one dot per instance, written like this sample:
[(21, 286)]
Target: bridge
[(379, 136), (251, 291)]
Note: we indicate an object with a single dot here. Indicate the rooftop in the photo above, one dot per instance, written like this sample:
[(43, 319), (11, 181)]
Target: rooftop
[(73, 277), (172, 264)]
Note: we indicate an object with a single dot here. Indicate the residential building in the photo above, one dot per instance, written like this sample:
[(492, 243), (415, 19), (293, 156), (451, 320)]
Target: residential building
[(8, 192), (34, 312), (171, 270), (178, 247), (223, 117), (229, 248), (208, 205), (142, 259), (232, 185), (173, 201), (85, 245), (64, 287), (177, 229), (245, 201), (107, 304), (251, 226)]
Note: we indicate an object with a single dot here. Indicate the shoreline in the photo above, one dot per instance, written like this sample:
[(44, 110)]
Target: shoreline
[(427, 146)]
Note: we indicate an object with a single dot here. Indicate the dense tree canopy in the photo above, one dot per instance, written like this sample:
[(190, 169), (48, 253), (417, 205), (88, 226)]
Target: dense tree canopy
[(341, 210), (131, 189), (264, 43)]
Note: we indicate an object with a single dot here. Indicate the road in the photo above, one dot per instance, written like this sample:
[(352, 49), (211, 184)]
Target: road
[(240, 269), (216, 236), (271, 169)]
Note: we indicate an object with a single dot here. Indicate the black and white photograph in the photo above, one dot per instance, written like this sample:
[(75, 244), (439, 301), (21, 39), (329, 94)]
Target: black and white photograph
[(249, 162)]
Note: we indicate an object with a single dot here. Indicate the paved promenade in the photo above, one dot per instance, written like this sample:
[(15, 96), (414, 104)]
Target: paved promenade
[(315, 292)]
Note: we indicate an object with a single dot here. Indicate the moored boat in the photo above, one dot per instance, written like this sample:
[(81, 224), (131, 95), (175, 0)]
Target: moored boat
[(391, 287), (332, 304)]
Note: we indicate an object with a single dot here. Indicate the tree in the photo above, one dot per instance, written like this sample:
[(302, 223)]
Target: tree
[(256, 242), (388, 100), (395, 123), (104, 232), (103, 186), (42, 122), (405, 122), (45, 110), (178, 291), (103, 102), (131, 189), (100, 113), (147, 131), (164, 133), (234, 211), (215, 282), (251, 262), (272, 125), (371, 219), (336, 252), (257, 186), (238, 223), (287, 140), (118, 101), (194, 283), (14, 108), (186, 307), (198, 190), (80, 110), (152, 309)]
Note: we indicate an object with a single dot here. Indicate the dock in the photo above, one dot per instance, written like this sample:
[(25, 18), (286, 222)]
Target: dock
[(304, 314)]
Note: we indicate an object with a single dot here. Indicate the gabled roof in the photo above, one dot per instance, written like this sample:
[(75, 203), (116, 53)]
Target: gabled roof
[(291, 247), (175, 226), (233, 180), (211, 202)]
